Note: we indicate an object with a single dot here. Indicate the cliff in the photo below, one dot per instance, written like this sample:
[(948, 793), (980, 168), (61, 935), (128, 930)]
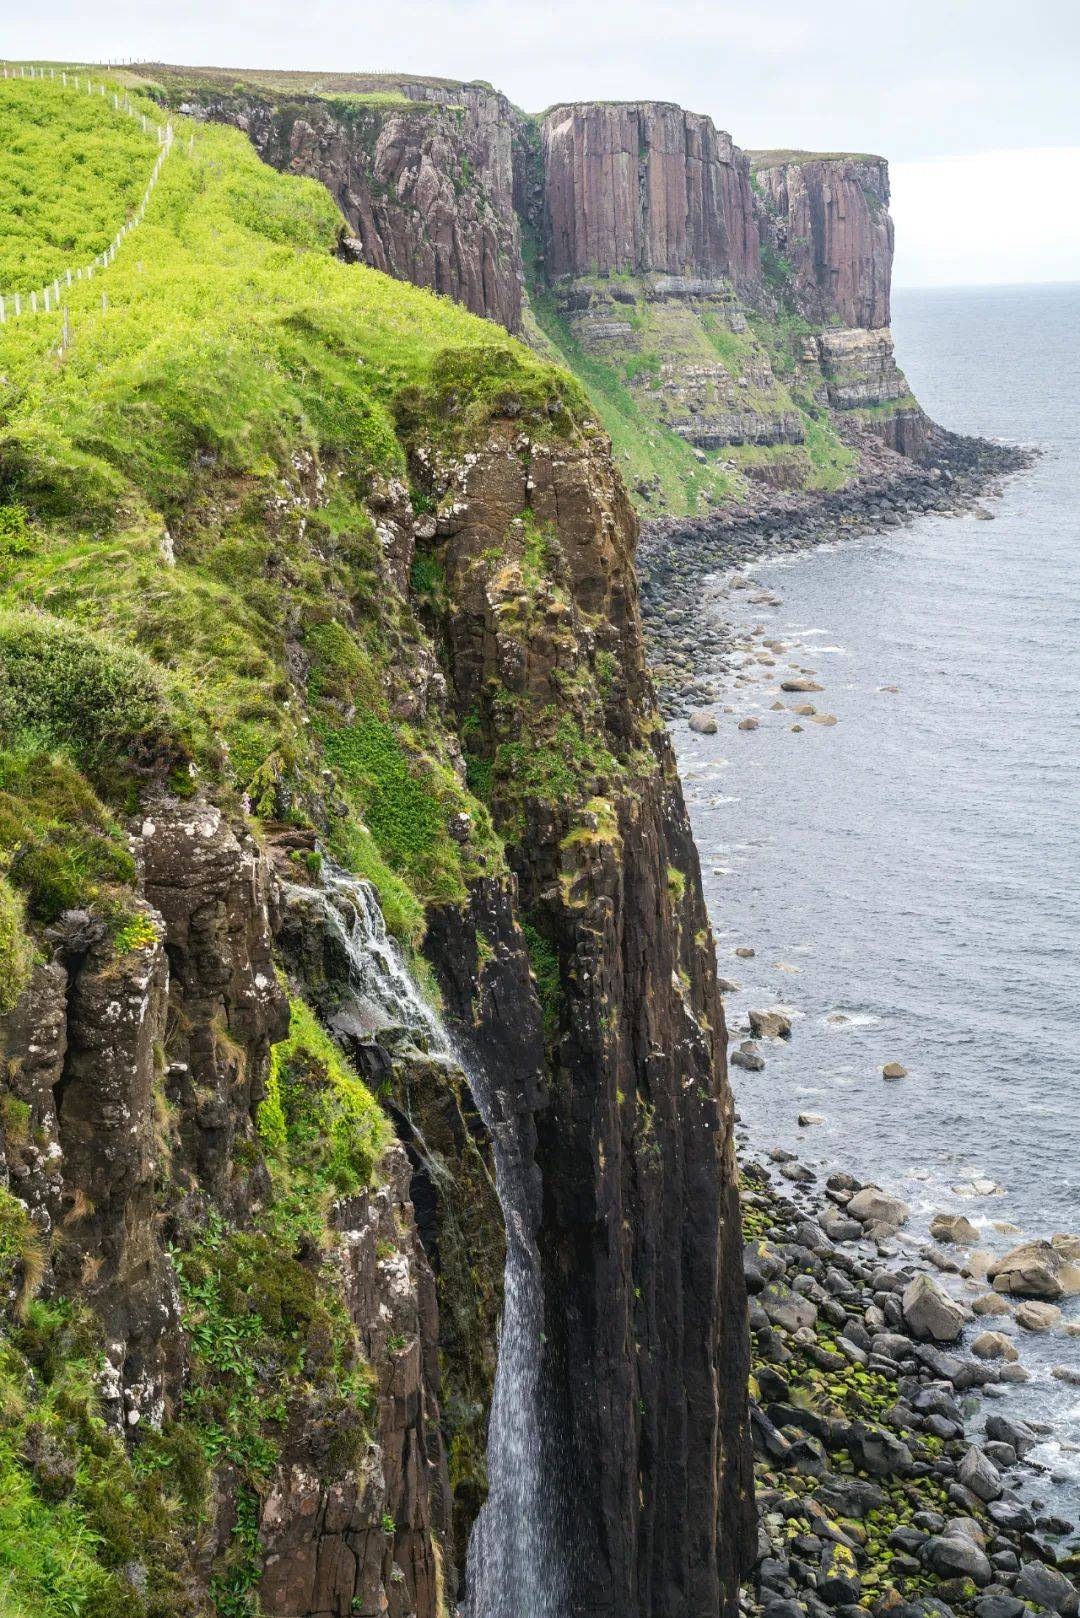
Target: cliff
[(322, 678), (727, 312), (641, 188), (422, 170), (830, 223)]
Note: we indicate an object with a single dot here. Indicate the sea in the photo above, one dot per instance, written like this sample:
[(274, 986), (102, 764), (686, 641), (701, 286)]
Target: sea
[(909, 878)]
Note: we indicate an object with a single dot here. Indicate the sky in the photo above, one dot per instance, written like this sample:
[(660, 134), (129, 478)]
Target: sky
[(976, 103)]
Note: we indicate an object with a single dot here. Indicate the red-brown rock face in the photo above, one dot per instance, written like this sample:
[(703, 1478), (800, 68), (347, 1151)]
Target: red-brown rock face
[(831, 222), (645, 187)]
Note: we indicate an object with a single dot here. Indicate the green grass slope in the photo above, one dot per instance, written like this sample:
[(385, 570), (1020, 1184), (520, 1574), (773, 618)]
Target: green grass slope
[(157, 543)]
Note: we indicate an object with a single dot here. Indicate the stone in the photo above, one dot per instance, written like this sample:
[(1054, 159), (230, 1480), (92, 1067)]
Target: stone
[(953, 1556), (1035, 1270), (929, 1312), (747, 1056), (894, 1070), (994, 1345), (1066, 1373), (806, 1119), (1045, 1587), (980, 1475), (954, 1228), (875, 1207), (1037, 1317), (991, 1303), (703, 723), (770, 1024), (745, 953), (787, 1309), (748, 724), (800, 685), (998, 1605)]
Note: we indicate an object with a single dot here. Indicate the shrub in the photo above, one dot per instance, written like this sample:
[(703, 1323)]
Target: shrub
[(74, 690)]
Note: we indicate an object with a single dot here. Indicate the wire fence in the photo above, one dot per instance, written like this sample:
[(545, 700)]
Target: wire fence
[(52, 296)]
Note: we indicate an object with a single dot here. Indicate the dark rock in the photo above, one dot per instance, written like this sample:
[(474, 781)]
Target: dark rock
[(1045, 1587)]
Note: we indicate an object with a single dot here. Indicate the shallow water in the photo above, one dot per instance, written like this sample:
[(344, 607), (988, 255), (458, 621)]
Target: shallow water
[(915, 866)]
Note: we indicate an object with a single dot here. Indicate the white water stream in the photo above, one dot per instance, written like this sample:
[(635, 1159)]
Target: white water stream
[(515, 1565)]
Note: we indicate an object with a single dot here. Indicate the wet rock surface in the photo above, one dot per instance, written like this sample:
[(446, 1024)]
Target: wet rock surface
[(873, 1496)]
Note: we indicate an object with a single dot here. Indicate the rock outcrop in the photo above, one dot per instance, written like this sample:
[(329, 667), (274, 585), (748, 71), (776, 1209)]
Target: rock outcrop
[(643, 1286), (828, 217), (423, 174), (640, 188)]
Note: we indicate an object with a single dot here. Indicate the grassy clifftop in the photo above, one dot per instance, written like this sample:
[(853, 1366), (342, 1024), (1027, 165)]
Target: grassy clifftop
[(158, 543)]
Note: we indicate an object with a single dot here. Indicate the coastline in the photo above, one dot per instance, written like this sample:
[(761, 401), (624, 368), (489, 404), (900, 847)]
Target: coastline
[(676, 557), (871, 1492), (889, 1478)]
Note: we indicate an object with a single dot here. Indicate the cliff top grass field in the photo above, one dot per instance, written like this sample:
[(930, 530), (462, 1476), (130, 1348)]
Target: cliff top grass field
[(223, 365)]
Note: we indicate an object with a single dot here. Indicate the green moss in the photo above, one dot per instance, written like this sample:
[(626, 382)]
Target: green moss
[(16, 952), (317, 1110), (545, 966), (405, 803)]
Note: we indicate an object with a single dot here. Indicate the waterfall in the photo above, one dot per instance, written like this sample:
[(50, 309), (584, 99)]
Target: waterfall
[(515, 1563)]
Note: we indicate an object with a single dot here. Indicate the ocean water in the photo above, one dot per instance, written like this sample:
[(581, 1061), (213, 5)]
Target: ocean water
[(916, 867)]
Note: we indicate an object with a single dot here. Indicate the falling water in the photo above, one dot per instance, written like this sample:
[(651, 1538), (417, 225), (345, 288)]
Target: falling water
[(515, 1565)]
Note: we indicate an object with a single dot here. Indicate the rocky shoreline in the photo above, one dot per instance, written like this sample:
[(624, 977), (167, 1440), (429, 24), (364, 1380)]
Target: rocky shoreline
[(871, 1495), (676, 555)]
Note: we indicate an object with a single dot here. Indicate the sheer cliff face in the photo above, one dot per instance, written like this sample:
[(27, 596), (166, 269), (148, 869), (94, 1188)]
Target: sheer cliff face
[(645, 188), (426, 189), (638, 1217), (582, 975), (832, 225)]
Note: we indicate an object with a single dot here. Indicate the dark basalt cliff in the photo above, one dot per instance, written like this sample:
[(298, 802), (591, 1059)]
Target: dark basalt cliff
[(247, 1198), (639, 188)]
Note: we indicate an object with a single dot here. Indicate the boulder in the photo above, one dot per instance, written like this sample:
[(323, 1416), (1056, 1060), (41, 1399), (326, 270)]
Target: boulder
[(953, 1556), (748, 724), (931, 1313), (800, 685), (703, 723), (787, 1309), (838, 1584), (1035, 1270), (1034, 1316), (1045, 1587), (954, 1228), (991, 1303), (747, 1056), (994, 1345), (894, 1070), (872, 1206), (979, 1474), (1018, 1434), (770, 1024)]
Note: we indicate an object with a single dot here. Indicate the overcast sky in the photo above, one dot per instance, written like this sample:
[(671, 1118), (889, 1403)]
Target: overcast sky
[(975, 102)]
